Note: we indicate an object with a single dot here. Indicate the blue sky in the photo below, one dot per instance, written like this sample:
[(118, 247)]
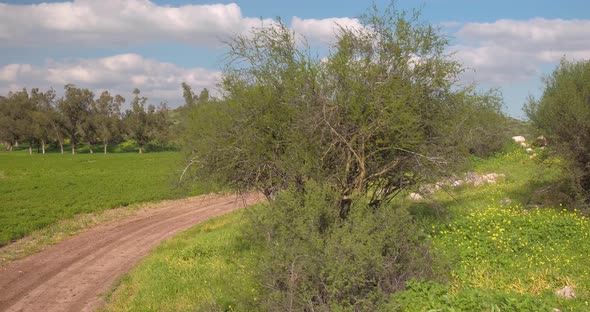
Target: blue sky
[(154, 45)]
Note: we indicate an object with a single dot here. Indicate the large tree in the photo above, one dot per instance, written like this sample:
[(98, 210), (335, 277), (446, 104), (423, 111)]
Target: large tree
[(330, 141)]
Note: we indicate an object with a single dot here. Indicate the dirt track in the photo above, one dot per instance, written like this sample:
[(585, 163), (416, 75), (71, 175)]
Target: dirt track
[(71, 275)]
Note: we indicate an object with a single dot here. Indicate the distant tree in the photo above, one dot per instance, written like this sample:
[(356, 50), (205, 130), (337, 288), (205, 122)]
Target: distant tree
[(74, 108), (562, 114), (204, 96), (144, 123), (190, 99), (11, 115), (20, 125), (162, 124), (89, 128), (108, 117), (43, 116)]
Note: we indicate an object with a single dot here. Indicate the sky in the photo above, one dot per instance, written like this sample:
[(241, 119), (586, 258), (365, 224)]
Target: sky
[(119, 45)]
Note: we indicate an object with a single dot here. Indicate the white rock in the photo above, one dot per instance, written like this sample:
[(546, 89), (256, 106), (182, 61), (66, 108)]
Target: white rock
[(415, 196), (519, 139), (567, 292)]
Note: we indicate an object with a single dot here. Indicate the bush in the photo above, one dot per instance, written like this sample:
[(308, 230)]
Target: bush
[(562, 114), (317, 261)]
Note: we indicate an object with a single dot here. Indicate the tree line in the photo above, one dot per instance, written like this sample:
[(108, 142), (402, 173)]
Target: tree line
[(39, 117)]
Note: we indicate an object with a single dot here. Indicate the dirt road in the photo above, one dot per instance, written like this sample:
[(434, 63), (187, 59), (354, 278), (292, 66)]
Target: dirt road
[(71, 275)]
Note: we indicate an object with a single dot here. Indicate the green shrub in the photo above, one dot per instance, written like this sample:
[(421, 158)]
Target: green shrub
[(315, 260), (563, 115)]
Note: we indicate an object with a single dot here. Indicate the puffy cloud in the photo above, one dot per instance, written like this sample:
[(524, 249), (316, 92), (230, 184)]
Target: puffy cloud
[(120, 74), (322, 31), (12, 72), (512, 50), (122, 22)]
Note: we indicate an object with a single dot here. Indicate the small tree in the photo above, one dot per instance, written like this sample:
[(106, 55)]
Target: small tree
[(562, 114)]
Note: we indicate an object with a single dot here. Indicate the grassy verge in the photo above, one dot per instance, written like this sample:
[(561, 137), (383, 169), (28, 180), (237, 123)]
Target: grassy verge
[(41, 190), (500, 252), (207, 268)]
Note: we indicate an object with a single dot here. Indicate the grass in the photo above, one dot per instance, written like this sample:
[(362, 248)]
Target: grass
[(207, 268), (504, 251), (41, 190), (499, 250)]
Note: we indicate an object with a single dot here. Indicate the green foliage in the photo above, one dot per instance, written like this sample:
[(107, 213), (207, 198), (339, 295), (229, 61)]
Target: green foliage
[(207, 268), (563, 115), (315, 260), (40, 190)]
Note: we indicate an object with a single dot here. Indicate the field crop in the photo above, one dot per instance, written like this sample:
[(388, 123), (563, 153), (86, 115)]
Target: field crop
[(39, 190)]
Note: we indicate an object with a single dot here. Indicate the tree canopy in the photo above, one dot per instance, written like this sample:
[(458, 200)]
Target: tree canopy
[(382, 111)]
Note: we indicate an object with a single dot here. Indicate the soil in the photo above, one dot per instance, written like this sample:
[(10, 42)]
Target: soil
[(71, 275)]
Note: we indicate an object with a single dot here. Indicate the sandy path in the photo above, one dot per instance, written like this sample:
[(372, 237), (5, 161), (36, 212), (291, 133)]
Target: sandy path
[(70, 275)]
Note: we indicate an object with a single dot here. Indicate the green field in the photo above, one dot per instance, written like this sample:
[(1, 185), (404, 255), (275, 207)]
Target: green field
[(39, 190), (498, 254)]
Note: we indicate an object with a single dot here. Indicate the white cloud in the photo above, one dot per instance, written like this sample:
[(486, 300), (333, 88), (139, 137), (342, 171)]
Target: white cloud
[(12, 72), (511, 50), (119, 74), (122, 22), (322, 31)]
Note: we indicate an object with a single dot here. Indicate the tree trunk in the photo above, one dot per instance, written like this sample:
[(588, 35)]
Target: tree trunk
[(31, 148), (105, 147), (90, 146), (16, 143), (73, 147), (43, 146), (141, 148), (9, 147), (61, 146)]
